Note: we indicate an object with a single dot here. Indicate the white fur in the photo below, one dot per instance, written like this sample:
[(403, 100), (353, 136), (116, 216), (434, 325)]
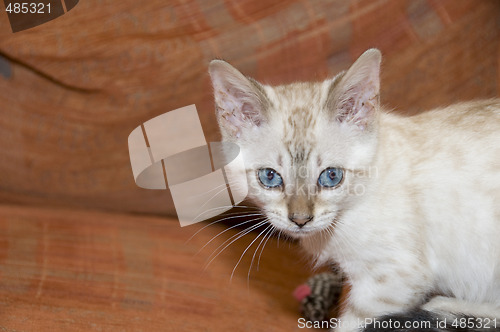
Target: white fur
[(418, 212)]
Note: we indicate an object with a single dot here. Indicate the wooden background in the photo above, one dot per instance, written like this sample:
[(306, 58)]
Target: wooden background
[(79, 84), (83, 81), (63, 270)]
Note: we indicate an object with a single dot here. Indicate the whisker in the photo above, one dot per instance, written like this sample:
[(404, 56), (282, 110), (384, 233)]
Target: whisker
[(225, 207), (240, 213), (213, 196), (241, 233), (279, 235), (239, 236), (246, 249), (210, 210), (264, 240), (210, 190), (235, 215), (269, 229), (262, 250), (227, 229)]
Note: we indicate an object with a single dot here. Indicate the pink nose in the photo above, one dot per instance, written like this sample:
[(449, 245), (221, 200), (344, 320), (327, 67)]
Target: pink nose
[(300, 219)]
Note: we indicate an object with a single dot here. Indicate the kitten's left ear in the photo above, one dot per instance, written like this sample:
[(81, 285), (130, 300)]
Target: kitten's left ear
[(355, 99)]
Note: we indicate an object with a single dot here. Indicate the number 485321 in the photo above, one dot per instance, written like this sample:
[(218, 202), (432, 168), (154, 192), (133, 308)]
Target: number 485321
[(28, 7)]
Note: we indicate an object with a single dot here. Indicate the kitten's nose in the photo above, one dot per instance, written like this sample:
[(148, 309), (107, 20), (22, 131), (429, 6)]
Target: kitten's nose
[(300, 219)]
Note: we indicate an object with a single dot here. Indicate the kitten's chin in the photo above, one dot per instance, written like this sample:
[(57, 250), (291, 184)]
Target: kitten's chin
[(301, 233)]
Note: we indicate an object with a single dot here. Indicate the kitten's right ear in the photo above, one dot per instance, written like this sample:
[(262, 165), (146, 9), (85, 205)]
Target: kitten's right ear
[(240, 102)]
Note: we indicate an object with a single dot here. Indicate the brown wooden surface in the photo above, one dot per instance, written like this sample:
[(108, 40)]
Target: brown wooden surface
[(63, 270), (83, 81)]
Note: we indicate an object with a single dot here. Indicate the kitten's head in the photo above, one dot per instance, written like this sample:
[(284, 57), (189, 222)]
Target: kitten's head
[(306, 146)]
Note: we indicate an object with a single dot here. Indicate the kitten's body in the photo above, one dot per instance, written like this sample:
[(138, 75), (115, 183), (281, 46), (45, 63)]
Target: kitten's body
[(417, 212), (430, 220)]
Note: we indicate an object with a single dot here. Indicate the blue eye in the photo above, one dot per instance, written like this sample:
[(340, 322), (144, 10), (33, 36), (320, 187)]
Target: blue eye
[(331, 177), (270, 178)]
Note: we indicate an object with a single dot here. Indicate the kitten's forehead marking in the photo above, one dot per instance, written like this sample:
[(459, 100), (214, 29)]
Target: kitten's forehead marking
[(299, 106), (299, 153), (298, 134)]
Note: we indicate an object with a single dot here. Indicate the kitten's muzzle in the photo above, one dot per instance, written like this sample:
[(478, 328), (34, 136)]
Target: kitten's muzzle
[(300, 220)]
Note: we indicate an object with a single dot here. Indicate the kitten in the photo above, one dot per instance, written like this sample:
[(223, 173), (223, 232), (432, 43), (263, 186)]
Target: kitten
[(407, 206)]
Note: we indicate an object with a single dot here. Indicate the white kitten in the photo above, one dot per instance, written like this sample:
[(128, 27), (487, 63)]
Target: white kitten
[(408, 207)]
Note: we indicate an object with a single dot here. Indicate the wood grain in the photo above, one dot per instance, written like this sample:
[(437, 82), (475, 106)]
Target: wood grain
[(63, 270), (80, 83)]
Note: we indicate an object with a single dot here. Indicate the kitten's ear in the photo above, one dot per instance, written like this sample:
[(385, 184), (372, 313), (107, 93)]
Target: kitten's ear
[(355, 98), (240, 101)]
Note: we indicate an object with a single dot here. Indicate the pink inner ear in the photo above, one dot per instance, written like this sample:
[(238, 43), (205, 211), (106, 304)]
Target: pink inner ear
[(237, 109), (357, 107), (345, 110), (250, 113)]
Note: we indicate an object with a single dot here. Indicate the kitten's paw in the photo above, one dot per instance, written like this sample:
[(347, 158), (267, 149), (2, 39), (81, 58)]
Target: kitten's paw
[(318, 296)]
